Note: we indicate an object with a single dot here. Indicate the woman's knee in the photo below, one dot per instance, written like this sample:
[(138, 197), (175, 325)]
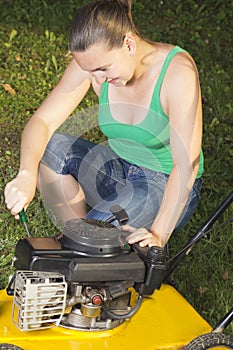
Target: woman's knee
[(55, 154)]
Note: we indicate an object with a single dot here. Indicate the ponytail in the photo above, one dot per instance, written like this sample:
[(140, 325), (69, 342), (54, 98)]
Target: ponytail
[(103, 21), (127, 4)]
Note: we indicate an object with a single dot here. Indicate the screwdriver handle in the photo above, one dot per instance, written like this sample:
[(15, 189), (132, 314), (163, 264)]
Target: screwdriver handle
[(23, 217)]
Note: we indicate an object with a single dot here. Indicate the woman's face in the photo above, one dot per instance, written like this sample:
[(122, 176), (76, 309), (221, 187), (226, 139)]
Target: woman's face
[(115, 66)]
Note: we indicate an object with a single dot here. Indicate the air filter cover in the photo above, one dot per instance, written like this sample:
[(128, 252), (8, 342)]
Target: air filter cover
[(94, 238)]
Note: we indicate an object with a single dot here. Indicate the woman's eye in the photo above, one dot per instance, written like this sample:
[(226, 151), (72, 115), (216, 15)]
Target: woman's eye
[(104, 69)]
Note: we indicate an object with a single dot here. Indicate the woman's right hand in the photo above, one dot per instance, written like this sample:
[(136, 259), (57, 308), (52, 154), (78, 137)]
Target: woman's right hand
[(19, 192)]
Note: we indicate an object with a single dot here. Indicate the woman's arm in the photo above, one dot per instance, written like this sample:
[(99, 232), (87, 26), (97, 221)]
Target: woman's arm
[(183, 104), (56, 108)]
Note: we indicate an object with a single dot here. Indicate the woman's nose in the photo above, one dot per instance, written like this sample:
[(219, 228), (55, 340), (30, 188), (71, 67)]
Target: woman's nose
[(100, 77)]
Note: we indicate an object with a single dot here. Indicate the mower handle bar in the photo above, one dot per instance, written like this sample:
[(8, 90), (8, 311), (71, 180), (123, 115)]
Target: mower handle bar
[(199, 234)]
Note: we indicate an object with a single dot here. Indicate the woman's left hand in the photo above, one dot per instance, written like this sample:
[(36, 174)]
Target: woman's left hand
[(141, 236)]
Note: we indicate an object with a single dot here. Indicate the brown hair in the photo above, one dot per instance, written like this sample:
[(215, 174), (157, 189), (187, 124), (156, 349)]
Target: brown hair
[(105, 21)]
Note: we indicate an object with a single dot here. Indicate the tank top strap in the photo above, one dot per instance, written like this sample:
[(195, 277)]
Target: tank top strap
[(166, 63), (103, 97)]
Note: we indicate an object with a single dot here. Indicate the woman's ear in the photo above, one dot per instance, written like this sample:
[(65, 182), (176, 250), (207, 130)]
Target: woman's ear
[(130, 43)]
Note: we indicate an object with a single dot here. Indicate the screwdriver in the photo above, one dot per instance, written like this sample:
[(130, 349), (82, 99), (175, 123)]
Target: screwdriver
[(23, 220)]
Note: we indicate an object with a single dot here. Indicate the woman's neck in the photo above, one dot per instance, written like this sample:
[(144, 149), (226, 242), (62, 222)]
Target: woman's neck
[(144, 57)]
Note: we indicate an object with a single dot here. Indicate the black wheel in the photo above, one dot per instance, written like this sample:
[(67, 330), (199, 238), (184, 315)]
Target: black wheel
[(210, 341), (9, 347)]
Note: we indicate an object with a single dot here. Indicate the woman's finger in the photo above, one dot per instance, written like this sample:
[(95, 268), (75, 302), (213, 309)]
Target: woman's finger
[(138, 235), (128, 228)]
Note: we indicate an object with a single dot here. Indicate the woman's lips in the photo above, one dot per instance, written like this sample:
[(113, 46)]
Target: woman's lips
[(113, 81)]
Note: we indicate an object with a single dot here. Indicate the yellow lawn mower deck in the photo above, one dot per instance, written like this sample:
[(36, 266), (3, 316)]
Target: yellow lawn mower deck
[(165, 321)]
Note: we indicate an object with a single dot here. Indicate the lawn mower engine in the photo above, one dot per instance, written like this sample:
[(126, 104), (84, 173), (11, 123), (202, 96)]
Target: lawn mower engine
[(86, 278)]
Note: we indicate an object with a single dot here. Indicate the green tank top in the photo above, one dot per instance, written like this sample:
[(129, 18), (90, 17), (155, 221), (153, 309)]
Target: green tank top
[(146, 144)]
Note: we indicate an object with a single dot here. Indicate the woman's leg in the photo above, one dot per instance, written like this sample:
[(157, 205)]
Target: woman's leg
[(62, 194), (141, 198), (105, 180), (74, 172)]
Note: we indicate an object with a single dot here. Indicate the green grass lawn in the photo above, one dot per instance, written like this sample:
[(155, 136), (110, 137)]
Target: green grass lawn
[(34, 53)]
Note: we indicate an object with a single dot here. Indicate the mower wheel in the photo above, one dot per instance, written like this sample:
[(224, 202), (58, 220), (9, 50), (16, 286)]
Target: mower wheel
[(9, 347), (210, 341)]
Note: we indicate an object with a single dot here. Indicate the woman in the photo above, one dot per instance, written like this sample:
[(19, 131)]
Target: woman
[(150, 110)]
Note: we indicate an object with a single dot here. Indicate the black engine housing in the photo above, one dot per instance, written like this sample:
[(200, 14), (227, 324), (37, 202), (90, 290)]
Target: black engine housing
[(93, 251)]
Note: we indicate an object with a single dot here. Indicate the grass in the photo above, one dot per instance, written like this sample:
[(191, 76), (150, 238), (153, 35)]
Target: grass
[(34, 41)]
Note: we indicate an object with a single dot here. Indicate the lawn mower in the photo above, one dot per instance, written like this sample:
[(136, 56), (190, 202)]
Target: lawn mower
[(86, 288)]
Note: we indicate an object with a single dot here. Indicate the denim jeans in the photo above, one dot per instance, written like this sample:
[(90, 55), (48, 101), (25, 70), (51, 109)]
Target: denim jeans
[(108, 180)]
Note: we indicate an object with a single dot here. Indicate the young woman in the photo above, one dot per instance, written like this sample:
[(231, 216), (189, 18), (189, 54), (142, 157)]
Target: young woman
[(149, 109)]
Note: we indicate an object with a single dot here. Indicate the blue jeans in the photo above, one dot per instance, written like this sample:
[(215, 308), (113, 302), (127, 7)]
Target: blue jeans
[(107, 180)]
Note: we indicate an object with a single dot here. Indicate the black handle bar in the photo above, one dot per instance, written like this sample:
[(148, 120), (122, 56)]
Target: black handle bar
[(199, 234)]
